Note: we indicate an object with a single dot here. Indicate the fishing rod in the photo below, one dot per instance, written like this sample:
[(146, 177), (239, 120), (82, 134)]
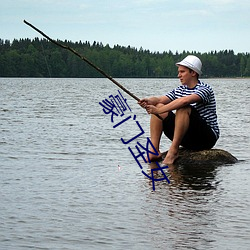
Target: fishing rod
[(87, 61)]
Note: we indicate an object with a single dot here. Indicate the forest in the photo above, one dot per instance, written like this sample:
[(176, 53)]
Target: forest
[(41, 58)]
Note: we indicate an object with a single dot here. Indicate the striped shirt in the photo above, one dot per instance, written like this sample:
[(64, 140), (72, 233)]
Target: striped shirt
[(206, 108)]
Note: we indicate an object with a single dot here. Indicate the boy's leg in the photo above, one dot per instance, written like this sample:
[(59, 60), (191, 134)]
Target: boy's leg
[(156, 128), (181, 127)]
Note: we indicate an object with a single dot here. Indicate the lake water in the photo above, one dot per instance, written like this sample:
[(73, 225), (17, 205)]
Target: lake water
[(68, 182)]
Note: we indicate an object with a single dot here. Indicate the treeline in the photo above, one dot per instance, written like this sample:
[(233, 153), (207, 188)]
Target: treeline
[(41, 58)]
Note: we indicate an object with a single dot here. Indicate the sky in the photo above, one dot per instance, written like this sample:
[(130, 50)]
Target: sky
[(155, 25)]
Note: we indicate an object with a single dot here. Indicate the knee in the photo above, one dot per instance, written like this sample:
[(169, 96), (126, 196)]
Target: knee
[(159, 105), (163, 115), (184, 110)]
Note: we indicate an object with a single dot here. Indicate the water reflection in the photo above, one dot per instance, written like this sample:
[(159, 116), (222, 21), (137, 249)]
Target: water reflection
[(187, 176), (186, 202)]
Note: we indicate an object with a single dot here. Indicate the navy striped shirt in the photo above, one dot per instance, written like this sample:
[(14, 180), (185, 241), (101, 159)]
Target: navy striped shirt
[(206, 108)]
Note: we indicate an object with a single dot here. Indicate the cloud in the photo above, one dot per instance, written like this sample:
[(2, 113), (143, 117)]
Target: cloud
[(152, 24), (83, 6), (225, 5), (221, 2), (148, 2)]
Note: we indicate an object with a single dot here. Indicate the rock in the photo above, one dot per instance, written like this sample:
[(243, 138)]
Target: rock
[(205, 157)]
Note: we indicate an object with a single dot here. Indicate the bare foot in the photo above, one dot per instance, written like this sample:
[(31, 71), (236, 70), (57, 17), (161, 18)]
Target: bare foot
[(170, 157), (153, 158)]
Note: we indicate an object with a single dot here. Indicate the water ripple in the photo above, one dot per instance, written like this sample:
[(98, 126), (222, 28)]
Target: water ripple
[(61, 187)]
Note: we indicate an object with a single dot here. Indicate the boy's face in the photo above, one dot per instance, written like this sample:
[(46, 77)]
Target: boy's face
[(185, 75)]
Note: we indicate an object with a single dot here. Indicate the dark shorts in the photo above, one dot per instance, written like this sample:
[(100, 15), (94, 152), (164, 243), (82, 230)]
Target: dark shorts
[(199, 135)]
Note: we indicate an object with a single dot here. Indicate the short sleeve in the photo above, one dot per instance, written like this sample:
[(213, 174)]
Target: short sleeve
[(204, 93), (172, 94)]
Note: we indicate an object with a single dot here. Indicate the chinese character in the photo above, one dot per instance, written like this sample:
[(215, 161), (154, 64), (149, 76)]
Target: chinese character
[(138, 135), (152, 175), (116, 105), (141, 154)]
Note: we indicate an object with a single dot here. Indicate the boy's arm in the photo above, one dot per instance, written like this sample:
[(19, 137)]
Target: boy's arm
[(176, 104)]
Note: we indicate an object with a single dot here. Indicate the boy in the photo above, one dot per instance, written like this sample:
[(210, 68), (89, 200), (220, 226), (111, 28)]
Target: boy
[(194, 125)]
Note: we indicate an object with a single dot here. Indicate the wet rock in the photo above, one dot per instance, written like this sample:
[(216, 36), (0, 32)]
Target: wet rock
[(204, 157)]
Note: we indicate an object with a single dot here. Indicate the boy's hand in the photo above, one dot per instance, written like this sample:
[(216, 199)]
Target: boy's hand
[(151, 109)]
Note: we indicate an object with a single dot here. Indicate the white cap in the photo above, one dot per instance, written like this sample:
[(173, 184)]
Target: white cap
[(191, 62)]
